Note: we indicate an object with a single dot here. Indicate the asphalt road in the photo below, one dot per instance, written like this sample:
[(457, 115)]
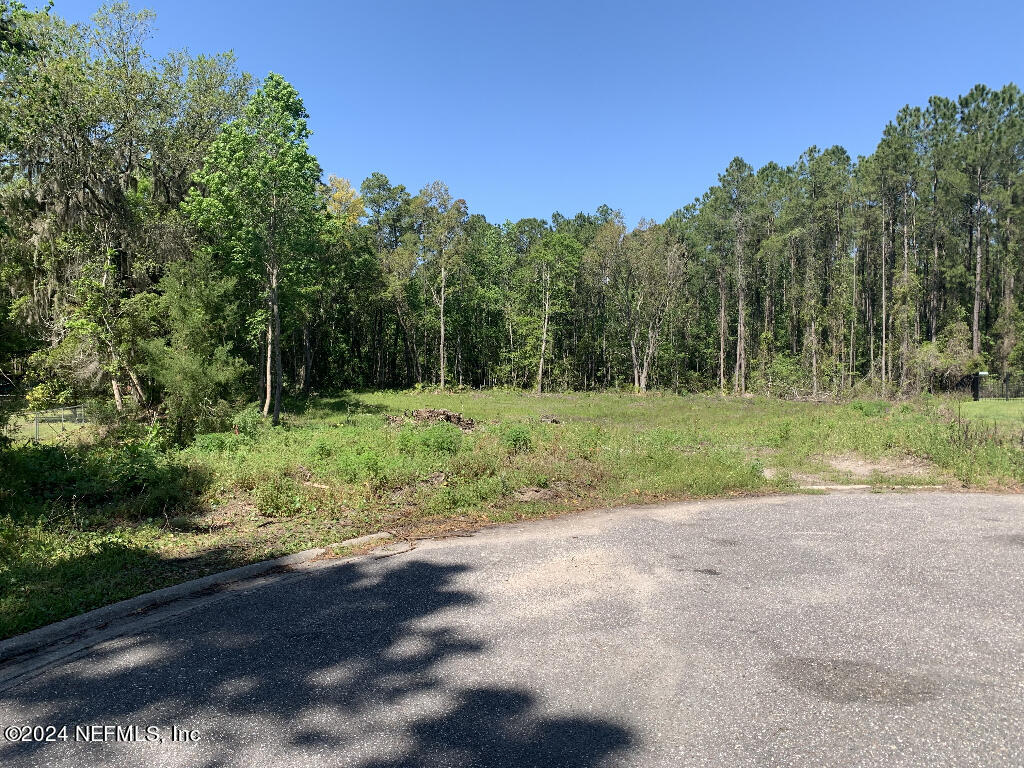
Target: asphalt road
[(843, 630)]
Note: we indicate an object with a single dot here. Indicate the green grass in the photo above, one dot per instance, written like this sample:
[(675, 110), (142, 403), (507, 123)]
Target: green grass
[(1008, 413), (82, 526), (48, 426)]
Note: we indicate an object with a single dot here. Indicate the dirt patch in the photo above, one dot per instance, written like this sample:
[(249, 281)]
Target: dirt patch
[(534, 493), (304, 476), (863, 468), (435, 479), (800, 478)]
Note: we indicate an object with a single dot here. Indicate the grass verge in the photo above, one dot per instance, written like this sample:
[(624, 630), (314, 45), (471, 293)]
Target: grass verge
[(85, 525)]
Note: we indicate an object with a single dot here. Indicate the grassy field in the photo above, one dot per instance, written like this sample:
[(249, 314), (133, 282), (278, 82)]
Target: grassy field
[(83, 526), (46, 425), (1004, 413)]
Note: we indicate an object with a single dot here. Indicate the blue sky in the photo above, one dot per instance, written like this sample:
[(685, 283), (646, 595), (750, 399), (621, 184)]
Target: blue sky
[(524, 107)]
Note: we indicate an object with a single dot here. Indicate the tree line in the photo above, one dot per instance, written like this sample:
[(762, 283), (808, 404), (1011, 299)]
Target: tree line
[(168, 240)]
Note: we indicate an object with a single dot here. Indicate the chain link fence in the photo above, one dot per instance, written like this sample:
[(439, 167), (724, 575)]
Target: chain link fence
[(47, 424)]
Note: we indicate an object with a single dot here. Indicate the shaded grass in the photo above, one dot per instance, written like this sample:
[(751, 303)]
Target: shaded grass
[(83, 526)]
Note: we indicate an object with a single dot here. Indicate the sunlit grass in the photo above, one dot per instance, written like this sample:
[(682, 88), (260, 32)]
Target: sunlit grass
[(348, 465), (1008, 412)]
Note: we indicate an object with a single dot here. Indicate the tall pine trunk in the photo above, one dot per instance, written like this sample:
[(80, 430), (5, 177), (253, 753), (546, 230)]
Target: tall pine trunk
[(976, 326), (885, 318), (276, 325), (721, 330), (442, 350), (544, 330)]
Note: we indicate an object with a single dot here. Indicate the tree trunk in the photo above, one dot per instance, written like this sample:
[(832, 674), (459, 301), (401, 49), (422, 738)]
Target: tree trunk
[(905, 341), (884, 303), (721, 332), (261, 378), (137, 392), (653, 332), (544, 331), (814, 358), (278, 373), (118, 400), (792, 299), (307, 359), (442, 351), (740, 371), (268, 373), (976, 327), (511, 353), (636, 360)]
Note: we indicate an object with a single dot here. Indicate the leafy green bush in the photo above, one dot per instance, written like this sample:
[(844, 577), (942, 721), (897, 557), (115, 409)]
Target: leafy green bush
[(517, 438), (785, 376), (219, 442), (320, 451), (870, 408), (441, 440), (129, 477), (278, 495), (50, 393), (585, 441), (249, 421), (190, 363), (779, 434)]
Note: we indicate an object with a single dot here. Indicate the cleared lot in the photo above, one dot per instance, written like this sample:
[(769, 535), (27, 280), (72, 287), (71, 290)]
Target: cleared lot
[(876, 629)]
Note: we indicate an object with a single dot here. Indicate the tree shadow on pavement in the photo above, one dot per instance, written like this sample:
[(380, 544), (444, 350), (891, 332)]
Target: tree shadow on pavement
[(346, 665)]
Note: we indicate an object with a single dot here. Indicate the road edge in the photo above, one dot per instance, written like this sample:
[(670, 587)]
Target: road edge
[(68, 630)]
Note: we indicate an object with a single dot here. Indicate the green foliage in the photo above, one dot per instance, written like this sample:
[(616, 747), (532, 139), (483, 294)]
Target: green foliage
[(249, 422), (191, 363), (871, 408), (258, 203), (83, 525), (221, 442), (947, 360), (441, 439), (133, 478), (164, 231), (278, 496), (784, 376), (50, 393), (517, 438)]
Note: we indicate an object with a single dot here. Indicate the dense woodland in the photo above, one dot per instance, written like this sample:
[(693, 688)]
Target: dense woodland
[(168, 242)]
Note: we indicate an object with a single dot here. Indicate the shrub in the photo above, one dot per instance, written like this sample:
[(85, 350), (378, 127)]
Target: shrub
[(441, 440), (219, 442), (131, 477), (778, 435), (249, 421), (785, 376), (278, 496), (320, 451), (870, 408), (50, 393), (517, 438)]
